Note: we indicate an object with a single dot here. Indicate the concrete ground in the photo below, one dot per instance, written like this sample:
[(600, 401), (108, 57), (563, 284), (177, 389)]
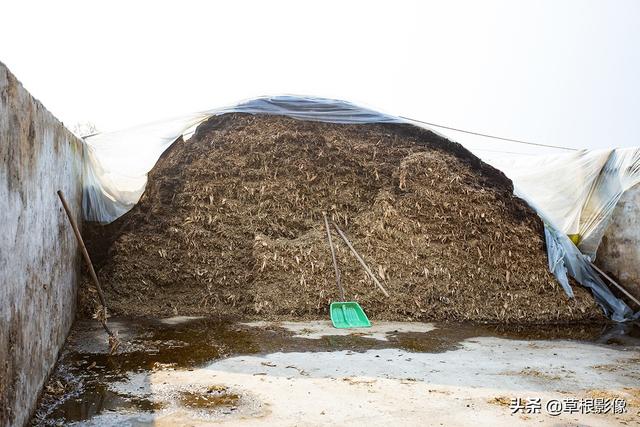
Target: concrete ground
[(308, 373)]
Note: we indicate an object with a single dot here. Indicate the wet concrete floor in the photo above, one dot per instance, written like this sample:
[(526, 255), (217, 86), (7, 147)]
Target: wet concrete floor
[(196, 371)]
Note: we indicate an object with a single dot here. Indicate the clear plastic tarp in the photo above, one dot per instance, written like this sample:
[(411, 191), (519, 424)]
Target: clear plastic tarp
[(578, 191), (118, 162), (574, 194)]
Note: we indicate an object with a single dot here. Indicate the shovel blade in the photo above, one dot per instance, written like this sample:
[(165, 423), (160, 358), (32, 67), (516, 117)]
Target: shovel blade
[(348, 315)]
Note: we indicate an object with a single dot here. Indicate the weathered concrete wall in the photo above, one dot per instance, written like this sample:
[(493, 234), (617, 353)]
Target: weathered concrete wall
[(39, 265), (619, 252)]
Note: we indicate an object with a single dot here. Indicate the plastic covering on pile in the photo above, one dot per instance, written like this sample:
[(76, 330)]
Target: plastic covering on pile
[(577, 191), (574, 194)]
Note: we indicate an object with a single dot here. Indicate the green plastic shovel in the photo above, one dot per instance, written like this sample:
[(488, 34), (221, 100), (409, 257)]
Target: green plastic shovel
[(348, 315), (344, 314)]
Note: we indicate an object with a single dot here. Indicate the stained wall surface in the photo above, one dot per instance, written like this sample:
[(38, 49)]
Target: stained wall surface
[(39, 263), (619, 252)]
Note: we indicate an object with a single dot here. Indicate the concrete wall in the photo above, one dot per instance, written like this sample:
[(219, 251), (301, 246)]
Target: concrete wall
[(39, 262), (619, 252)]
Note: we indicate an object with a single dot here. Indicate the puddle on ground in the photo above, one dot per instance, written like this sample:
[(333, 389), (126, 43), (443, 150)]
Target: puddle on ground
[(84, 382), (97, 398)]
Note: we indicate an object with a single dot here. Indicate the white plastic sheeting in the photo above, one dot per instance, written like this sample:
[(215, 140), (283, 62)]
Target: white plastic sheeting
[(577, 191), (573, 193), (116, 172)]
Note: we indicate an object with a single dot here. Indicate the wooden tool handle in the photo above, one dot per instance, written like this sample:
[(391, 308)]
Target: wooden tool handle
[(359, 258), (333, 256), (87, 260)]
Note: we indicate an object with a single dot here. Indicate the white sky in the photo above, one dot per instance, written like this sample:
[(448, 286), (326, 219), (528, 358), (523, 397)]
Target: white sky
[(556, 72)]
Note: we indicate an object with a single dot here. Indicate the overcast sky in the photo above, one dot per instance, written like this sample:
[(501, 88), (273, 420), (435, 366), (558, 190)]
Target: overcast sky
[(555, 72)]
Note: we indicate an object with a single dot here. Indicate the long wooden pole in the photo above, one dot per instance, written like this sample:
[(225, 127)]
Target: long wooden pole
[(113, 340), (333, 256), (613, 282), (359, 258)]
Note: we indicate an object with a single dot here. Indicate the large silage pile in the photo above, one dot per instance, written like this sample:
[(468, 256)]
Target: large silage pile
[(231, 225)]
